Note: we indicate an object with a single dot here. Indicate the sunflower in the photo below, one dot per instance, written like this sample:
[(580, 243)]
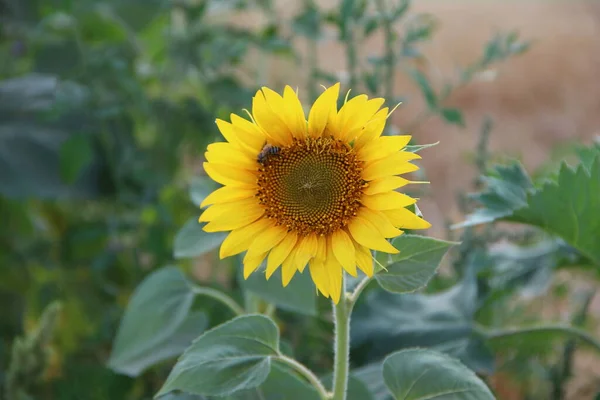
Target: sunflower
[(319, 192)]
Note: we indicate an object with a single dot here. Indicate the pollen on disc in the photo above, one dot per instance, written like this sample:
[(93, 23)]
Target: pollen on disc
[(311, 186)]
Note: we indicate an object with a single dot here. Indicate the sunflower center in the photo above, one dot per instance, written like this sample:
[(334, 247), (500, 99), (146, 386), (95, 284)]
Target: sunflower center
[(311, 186)]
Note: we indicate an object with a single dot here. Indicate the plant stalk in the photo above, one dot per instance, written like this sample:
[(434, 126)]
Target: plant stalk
[(390, 56), (576, 333), (341, 312), (307, 373), (222, 297)]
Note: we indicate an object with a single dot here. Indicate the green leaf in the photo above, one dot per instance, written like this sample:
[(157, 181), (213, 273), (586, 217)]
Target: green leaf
[(371, 23), (420, 28), (506, 191), (298, 296), (587, 154), (157, 313), (569, 208), (76, 153), (566, 207), (282, 384), (423, 83), (384, 322), (192, 241), (200, 188), (371, 376), (231, 357), (415, 148), (400, 10), (417, 374), (453, 116), (415, 265), (171, 346), (308, 23)]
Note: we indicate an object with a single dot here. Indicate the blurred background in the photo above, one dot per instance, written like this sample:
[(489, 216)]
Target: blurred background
[(106, 109)]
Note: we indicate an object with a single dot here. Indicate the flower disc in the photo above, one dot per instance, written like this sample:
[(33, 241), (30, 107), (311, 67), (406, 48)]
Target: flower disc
[(312, 186)]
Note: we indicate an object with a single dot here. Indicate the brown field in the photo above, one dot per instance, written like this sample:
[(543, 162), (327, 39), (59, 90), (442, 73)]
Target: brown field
[(548, 96)]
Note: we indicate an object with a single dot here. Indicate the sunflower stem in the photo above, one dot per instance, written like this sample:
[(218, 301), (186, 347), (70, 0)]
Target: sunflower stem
[(220, 296), (341, 312), (307, 373)]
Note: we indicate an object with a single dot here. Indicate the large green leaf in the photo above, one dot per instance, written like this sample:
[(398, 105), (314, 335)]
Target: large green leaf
[(418, 374), (192, 241), (282, 384), (200, 188), (371, 376), (569, 208), (299, 296), (507, 188), (415, 265), (231, 357), (384, 322), (156, 314)]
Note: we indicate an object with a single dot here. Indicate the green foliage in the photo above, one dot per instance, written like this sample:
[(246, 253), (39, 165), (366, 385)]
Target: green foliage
[(192, 241), (231, 357), (506, 191), (299, 296), (414, 266), (105, 112), (424, 374), (443, 321), (563, 207), (567, 208), (156, 324)]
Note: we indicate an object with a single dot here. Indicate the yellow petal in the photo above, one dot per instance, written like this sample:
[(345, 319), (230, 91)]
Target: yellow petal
[(226, 153), (387, 200), (351, 110), (364, 260), (385, 184), (267, 239), (321, 248), (319, 276), (215, 211), (321, 111), (335, 274), (266, 107), (380, 221), (343, 249), (251, 262), (248, 133), (393, 165), (227, 194), (360, 116), (307, 249), (280, 252), (405, 219), (365, 233), (294, 114), (228, 175), (373, 129), (229, 222), (382, 147), (240, 239), (234, 137), (288, 268)]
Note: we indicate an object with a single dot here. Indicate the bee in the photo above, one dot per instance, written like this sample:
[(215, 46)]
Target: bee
[(267, 151)]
